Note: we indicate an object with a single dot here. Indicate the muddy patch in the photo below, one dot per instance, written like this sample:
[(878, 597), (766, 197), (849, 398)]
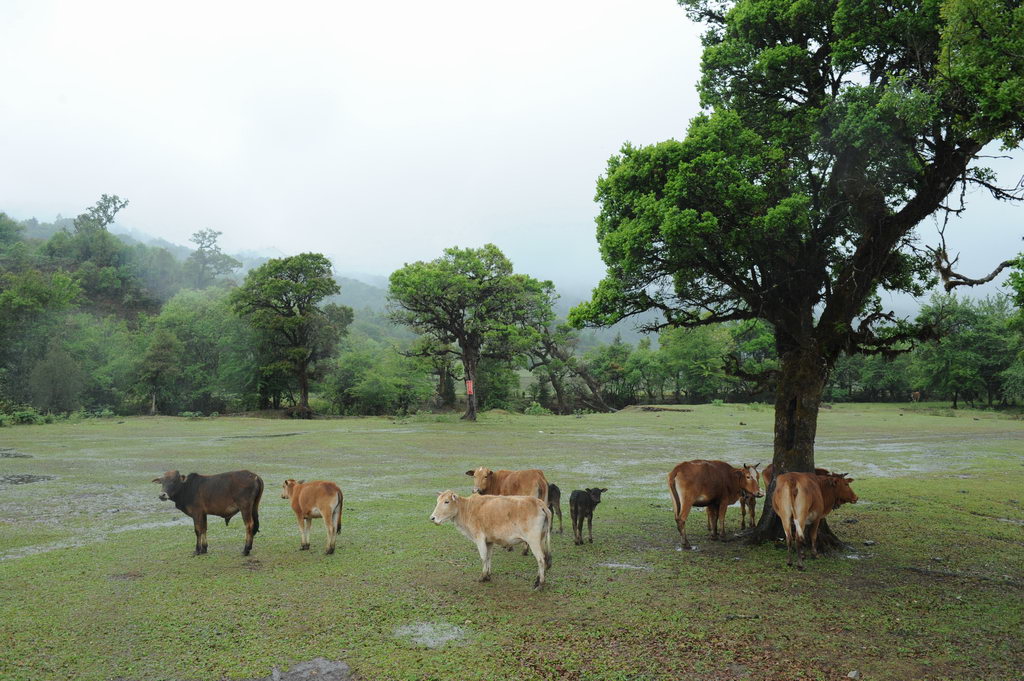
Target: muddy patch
[(251, 437), (317, 669), (253, 564), (22, 479), (431, 634), (6, 453), (626, 566)]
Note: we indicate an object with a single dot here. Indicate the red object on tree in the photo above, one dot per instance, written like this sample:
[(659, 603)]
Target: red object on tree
[(469, 387)]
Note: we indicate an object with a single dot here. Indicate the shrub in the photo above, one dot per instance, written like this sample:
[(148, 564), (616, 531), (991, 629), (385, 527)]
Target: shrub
[(535, 409)]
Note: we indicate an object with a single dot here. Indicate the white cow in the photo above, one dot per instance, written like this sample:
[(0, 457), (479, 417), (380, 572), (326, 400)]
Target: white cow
[(487, 520)]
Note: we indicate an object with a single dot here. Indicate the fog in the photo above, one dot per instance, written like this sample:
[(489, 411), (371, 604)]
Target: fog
[(376, 133)]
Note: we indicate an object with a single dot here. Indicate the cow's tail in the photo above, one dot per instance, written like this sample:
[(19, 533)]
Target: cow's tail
[(676, 504), (545, 540), (337, 512), (794, 513), (256, 505)]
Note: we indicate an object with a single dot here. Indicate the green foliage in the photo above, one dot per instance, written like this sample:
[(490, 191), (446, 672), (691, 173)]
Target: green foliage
[(56, 382), (470, 298), (282, 300), (208, 262), (369, 378)]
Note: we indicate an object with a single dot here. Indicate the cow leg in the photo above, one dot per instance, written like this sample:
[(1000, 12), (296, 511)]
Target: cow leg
[(801, 543), (251, 525), (787, 527), (590, 527), (328, 515), (558, 509), (543, 559), (574, 518), (684, 512), (814, 538), (199, 523), (307, 528), (303, 545), (721, 519), (712, 512), (485, 550)]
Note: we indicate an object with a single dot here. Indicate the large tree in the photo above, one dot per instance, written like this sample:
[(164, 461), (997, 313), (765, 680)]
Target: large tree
[(831, 130), (282, 299), (471, 303)]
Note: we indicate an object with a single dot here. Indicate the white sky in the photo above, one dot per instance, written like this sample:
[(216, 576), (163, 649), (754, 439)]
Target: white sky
[(378, 133)]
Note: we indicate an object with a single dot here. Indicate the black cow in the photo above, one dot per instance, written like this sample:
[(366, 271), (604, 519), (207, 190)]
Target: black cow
[(224, 494), (582, 503), (555, 503)]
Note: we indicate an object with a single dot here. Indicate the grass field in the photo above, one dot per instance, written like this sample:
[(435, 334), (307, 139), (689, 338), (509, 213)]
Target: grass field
[(97, 580)]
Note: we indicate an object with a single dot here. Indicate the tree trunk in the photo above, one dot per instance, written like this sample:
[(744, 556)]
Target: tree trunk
[(801, 381), (152, 404), (303, 411), (556, 385), (469, 362)]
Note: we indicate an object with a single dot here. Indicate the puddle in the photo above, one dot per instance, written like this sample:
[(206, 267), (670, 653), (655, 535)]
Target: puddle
[(318, 668), (1011, 521), (13, 454), (625, 566), (431, 634), (250, 437), (22, 478)]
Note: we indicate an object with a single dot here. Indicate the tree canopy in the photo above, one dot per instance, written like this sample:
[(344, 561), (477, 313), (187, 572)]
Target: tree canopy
[(831, 130), (282, 299), (471, 298)]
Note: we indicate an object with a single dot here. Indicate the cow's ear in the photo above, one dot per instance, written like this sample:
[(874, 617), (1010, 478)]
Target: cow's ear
[(156, 479), (181, 477), (469, 473), (604, 489)]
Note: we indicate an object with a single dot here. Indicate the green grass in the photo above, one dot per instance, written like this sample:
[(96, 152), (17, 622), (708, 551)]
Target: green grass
[(97, 580)]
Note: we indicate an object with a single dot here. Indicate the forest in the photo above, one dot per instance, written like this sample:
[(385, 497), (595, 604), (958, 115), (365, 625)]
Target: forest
[(97, 324)]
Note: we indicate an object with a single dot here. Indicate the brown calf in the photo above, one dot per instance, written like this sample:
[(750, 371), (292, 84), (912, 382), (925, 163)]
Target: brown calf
[(315, 499), (224, 495), (501, 520), (527, 483), (804, 498), (712, 484)]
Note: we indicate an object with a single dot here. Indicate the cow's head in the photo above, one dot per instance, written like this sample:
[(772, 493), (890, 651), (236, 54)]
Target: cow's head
[(482, 478), (595, 494), (844, 494), (171, 484), (288, 487), (749, 481), (447, 507)]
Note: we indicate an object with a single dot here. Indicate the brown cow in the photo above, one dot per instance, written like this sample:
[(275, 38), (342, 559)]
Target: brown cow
[(769, 472), (712, 484), (803, 498), (315, 499), (501, 520), (528, 483), (224, 494)]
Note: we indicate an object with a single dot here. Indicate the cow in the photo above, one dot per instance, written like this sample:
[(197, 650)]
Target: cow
[(802, 499), (915, 396), (530, 482), (315, 499), (487, 520), (224, 495), (712, 484), (555, 503), (582, 503), (769, 472)]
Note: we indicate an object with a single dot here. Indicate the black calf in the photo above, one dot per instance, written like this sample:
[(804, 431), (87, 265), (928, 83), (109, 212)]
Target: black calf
[(581, 505), (555, 503)]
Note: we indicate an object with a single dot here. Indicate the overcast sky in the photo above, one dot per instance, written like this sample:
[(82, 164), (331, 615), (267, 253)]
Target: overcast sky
[(378, 133)]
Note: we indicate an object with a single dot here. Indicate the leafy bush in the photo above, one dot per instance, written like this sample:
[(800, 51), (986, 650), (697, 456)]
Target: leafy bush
[(26, 416), (535, 409)]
